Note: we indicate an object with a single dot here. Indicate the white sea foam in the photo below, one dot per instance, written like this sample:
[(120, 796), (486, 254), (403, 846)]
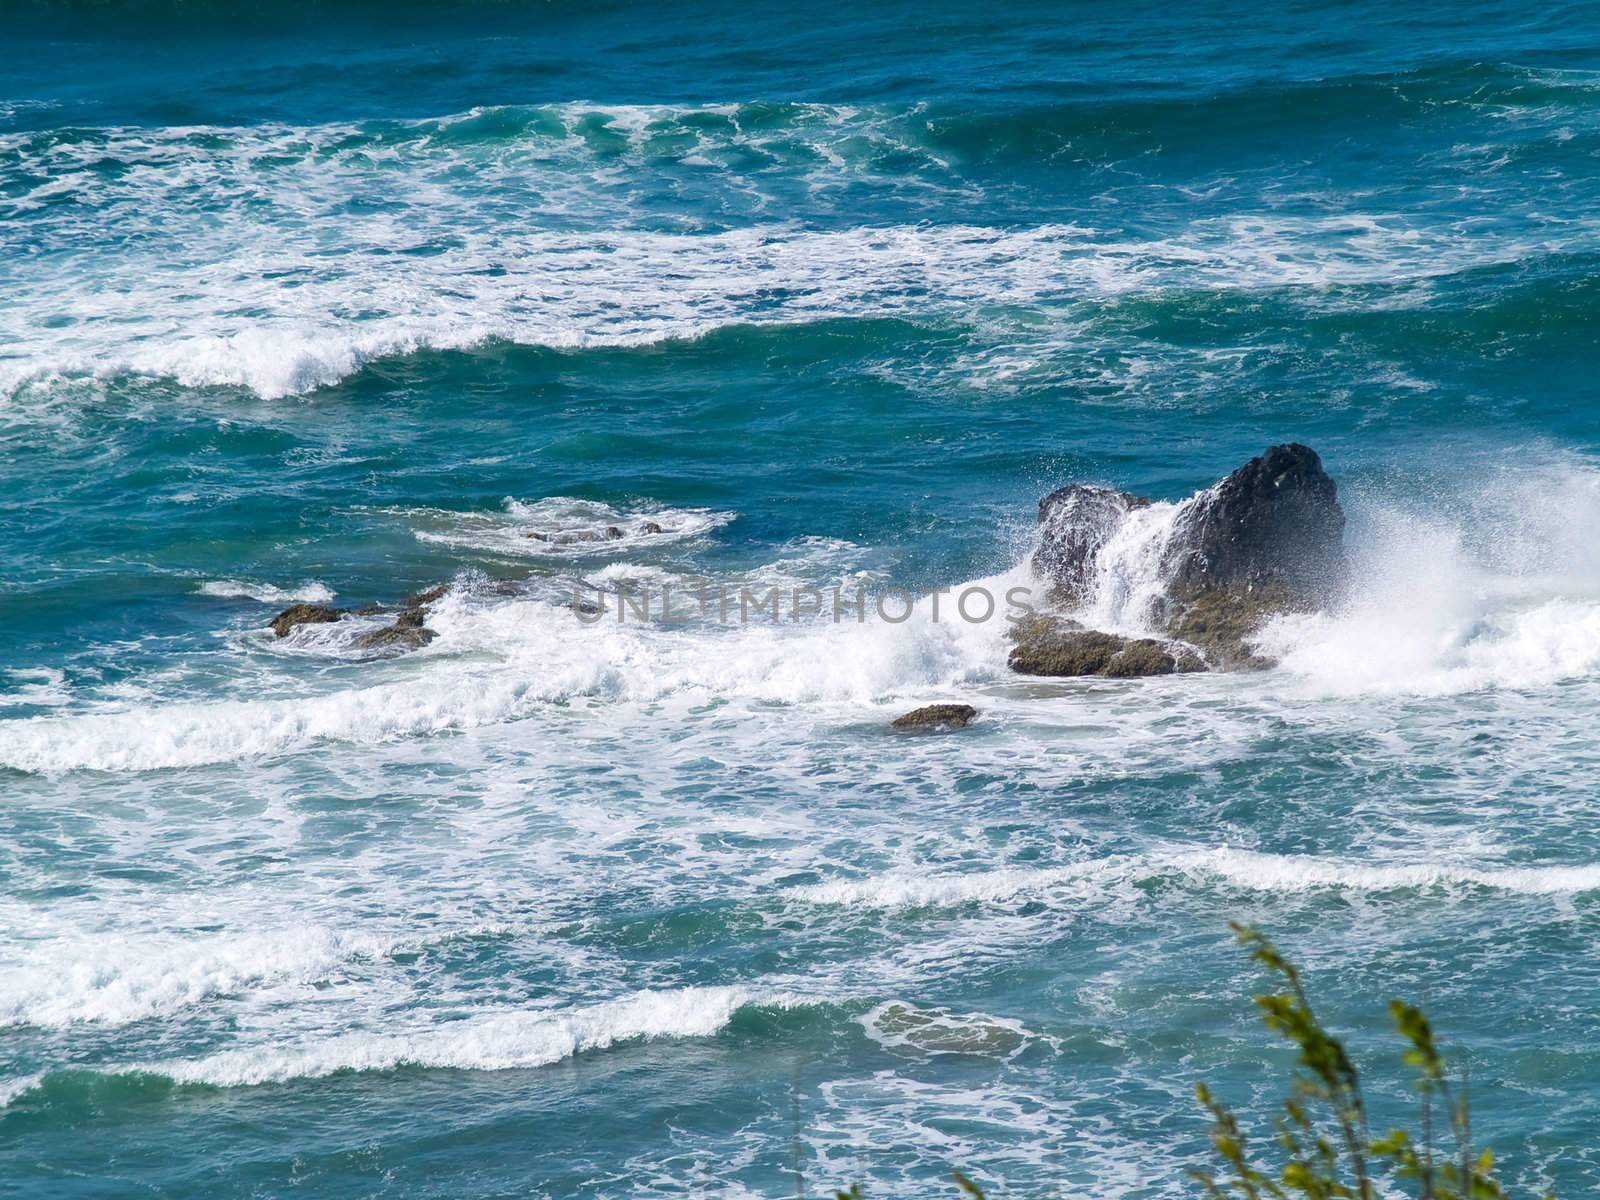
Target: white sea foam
[(310, 592), (1491, 582), (916, 1030), (485, 1041), (286, 289), (502, 662), (561, 526), (1244, 869), (127, 978), (1128, 578), (42, 687)]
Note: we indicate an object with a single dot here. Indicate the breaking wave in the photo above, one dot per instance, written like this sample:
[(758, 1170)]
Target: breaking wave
[(501, 661), (1242, 869), (310, 592), (118, 981), (1485, 578), (485, 1041)]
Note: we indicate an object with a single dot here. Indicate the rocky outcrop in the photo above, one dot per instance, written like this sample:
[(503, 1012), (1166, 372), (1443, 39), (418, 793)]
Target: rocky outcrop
[(304, 614), (409, 631), (1275, 525), (937, 716), (1267, 539), (1074, 523), (426, 596), (1048, 644), (1220, 623)]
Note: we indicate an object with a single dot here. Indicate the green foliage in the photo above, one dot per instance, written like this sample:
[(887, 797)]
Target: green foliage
[(1320, 1147), (1323, 1150)]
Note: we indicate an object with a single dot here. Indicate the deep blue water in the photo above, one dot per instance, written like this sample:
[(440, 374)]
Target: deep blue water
[(337, 303)]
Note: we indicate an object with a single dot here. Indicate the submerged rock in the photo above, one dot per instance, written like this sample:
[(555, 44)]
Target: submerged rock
[(427, 596), (937, 716), (408, 632), (304, 614), (402, 636), (569, 537), (1052, 645)]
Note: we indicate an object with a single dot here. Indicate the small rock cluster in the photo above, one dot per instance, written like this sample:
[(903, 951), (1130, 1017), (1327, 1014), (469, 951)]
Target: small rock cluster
[(408, 631)]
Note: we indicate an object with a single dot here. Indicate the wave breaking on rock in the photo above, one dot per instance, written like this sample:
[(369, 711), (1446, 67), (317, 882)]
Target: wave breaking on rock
[(1195, 581)]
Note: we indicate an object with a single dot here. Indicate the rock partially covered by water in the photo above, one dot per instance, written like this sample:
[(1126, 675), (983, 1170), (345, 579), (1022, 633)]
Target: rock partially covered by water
[(1046, 644), (1273, 525), (570, 537), (1267, 539), (937, 716), (1221, 622), (408, 632), (1074, 523), (304, 614)]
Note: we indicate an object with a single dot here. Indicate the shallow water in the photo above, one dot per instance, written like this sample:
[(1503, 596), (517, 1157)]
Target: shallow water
[(337, 306)]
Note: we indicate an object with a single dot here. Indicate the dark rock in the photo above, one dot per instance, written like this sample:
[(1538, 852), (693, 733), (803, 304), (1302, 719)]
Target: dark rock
[(1052, 645), (1221, 622), (408, 631), (1275, 523), (586, 608), (1075, 522), (405, 634), (568, 537), (613, 533), (651, 527), (304, 614), (937, 716), (427, 596), (1267, 539)]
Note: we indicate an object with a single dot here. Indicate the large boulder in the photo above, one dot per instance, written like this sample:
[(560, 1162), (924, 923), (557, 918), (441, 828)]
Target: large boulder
[(1275, 524), (1074, 523)]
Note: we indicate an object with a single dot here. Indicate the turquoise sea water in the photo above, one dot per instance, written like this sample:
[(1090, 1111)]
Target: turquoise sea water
[(341, 302)]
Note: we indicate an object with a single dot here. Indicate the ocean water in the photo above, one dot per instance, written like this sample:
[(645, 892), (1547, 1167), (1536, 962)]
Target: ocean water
[(338, 302)]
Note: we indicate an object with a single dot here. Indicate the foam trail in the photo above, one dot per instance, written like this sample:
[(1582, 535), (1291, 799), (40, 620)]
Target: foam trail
[(309, 592), (541, 653), (495, 1041), (555, 526), (116, 980), (1248, 870)]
